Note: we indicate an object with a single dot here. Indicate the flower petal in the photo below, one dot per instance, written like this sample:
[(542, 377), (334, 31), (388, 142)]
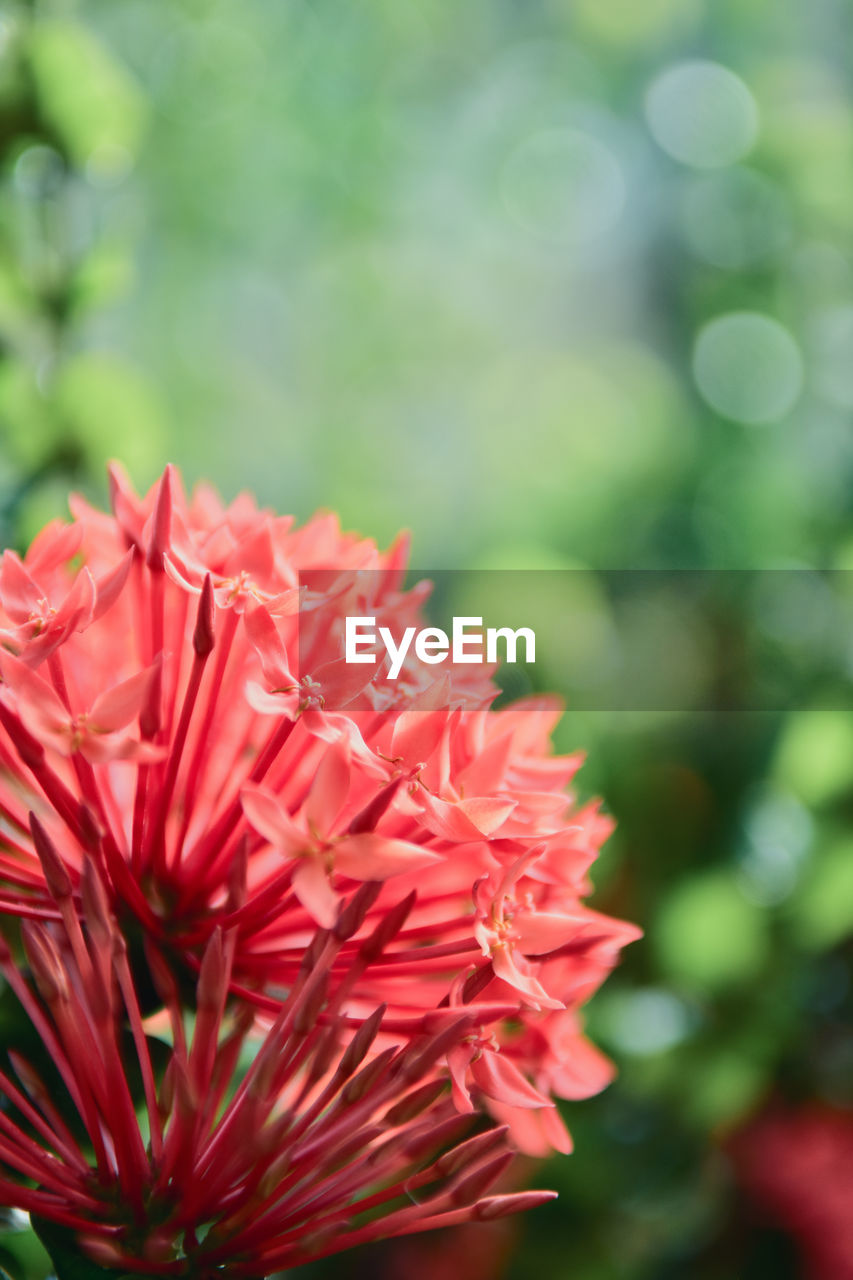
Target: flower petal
[(417, 734), (109, 586), (254, 555), (583, 1071), (374, 857), (538, 932), (535, 1133), (311, 886), (329, 789), (56, 544), (78, 608), (464, 820), (100, 748), (506, 968), (458, 1059), (341, 682), (501, 1079), (120, 706), (270, 819), (329, 726), (269, 646), (39, 706), (271, 704), (18, 591)]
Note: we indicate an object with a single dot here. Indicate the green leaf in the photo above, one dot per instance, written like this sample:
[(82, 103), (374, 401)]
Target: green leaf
[(29, 429), (65, 1253), (22, 1254), (101, 278), (69, 1260), (815, 755), (16, 1031), (708, 935), (108, 407), (727, 1086), (823, 911), (90, 101)]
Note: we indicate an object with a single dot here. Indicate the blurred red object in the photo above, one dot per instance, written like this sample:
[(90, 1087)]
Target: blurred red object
[(797, 1166), (475, 1251)]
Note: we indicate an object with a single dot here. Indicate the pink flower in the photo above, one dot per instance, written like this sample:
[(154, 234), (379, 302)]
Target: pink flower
[(36, 624), (318, 853), (176, 715), (95, 734)]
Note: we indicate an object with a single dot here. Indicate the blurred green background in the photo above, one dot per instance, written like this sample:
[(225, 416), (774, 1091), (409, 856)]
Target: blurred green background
[(552, 283)]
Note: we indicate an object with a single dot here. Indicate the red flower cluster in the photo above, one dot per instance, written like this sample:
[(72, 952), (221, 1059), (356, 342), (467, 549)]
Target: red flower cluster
[(316, 1148), (387, 883)]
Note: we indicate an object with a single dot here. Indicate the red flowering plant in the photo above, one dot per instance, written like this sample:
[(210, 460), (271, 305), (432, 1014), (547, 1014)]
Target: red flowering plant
[(302, 951)]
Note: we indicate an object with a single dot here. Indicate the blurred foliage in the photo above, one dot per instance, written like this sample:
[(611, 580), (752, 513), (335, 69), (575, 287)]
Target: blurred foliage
[(560, 283), (71, 122)]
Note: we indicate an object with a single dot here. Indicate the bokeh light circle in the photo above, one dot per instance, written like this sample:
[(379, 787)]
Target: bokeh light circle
[(734, 217), (626, 24), (38, 173), (564, 186), (832, 342), (748, 367), (702, 114)]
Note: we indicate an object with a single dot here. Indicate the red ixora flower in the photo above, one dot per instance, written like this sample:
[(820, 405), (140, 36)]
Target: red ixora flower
[(172, 728), (317, 1146)]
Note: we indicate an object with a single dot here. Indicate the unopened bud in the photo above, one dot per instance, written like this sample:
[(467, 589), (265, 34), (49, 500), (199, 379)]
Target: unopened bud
[(91, 831), (389, 926), (237, 876), (414, 1103), (432, 1137), (369, 816), (151, 715), (516, 1202), (29, 748), (357, 1049), (212, 975), (420, 1059), (471, 1186), (45, 962), (161, 524), (353, 913), (361, 1084), (57, 877), (96, 907), (467, 1153), (204, 637), (310, 1007)]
